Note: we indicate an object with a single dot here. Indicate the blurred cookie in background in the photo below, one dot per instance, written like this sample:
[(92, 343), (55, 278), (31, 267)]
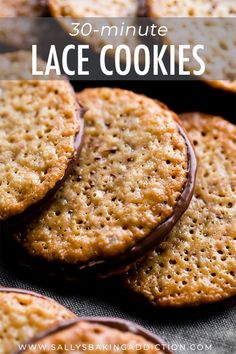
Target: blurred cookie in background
[(210, 23), (18, 25), (96, 17)]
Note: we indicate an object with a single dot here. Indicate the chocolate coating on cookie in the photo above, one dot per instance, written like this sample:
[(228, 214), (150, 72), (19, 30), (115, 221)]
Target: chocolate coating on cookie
[(101, 330)]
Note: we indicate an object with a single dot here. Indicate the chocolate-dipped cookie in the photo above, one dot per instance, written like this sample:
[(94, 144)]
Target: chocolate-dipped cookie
[(24, 314), (133, 181), (193, 20), (195, 265), (93, 334), (40, 130)]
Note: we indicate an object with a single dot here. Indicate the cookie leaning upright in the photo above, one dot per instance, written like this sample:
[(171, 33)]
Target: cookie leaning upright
[(133, 181), (96, 333), (196, 263), (24, 314), (39, 138)]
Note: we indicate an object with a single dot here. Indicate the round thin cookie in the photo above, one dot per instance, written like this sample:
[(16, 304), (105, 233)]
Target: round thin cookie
[(195, 22), (94, 334), (196, 263), (134, 179), (39, 135), (24, 314)]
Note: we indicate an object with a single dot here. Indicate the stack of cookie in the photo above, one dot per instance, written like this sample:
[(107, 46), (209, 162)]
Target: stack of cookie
[(133, 181), (99, 212), (119, 197), (108, 183)]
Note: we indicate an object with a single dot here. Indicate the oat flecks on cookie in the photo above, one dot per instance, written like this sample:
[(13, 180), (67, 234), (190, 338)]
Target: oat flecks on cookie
[(131, 172), (95, 333), (39, 121), (196, 263), (24, 314)]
